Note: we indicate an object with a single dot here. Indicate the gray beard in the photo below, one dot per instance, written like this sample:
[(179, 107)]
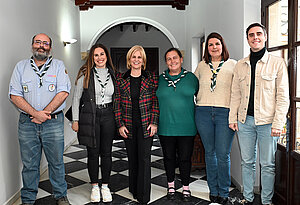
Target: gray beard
[(40, 56)]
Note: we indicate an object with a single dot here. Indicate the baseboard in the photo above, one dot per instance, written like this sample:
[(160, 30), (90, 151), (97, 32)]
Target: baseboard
[(14, 198), (237, 185)]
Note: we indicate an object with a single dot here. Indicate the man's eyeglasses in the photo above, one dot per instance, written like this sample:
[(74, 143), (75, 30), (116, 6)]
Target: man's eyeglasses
[(38, 42)]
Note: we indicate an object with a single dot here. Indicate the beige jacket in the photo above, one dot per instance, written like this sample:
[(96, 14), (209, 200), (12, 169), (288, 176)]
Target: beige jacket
[(271, 95), (220, 97)]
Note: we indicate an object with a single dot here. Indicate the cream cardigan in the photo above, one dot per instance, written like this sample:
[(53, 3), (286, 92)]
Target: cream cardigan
[(220, 97)]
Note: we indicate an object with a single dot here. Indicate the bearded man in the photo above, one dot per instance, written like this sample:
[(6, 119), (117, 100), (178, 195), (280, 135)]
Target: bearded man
[(39, 87)]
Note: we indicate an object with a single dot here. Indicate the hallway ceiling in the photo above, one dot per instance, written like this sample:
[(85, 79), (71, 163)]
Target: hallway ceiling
[(87, 4)]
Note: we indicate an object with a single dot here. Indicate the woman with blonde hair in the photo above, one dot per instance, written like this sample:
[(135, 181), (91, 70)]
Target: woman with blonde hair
[(136, 114)]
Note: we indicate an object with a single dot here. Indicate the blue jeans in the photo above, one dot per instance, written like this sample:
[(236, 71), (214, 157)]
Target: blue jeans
[(217, 137), (249, 135), (32, 138)]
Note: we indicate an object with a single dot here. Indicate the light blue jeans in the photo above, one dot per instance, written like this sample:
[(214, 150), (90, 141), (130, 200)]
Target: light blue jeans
[(32, 138), (249, 135), (217, 137)]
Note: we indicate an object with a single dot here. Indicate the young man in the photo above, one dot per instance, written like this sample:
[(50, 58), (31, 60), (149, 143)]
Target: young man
[(39, 87), (259, 104)]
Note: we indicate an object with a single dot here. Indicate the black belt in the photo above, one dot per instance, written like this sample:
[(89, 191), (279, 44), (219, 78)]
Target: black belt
[(53, 116), (103, 106)]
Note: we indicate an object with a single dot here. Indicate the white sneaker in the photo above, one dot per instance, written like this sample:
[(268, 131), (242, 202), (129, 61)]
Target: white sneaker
[(95, 194), (106, 195)]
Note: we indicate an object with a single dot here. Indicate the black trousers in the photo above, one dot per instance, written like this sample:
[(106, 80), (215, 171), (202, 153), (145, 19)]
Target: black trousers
[(105, 133), (139, 153), (182, 147)]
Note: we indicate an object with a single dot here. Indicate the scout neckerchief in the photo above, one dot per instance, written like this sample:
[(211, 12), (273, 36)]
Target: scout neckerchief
[(173, 82), (214, 74), (103, 85), (47, 65)]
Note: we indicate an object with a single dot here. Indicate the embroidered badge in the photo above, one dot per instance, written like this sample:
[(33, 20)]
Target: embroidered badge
[(51, 87), (25, 88)]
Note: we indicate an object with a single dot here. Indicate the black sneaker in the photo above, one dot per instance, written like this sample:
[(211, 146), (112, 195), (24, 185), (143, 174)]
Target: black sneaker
[(214, 199), (224, 200)]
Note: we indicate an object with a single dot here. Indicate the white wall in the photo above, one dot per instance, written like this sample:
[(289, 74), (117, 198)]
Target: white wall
[(225, 17), (165, 16), (252, 14), (195, 21), (19, 21)]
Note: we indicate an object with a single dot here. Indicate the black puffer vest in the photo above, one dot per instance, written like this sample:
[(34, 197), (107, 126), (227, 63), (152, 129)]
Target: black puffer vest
[(87, 112)]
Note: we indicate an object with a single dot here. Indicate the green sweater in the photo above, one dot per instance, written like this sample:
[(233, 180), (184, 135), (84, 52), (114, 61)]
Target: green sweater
[(176, 106)]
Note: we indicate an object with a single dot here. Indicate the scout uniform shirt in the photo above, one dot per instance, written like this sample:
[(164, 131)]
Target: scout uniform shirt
[(26, 83)]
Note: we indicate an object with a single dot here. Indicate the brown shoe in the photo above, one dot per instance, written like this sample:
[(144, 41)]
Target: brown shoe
[(63, 201)]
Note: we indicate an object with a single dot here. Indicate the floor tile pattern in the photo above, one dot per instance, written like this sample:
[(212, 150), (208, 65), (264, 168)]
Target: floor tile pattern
[(79, 187)]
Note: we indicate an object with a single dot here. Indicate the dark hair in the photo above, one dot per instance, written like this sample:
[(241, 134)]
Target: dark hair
[(255, 25), (173, 49), (32, 40), (224, 54), (89, 64)]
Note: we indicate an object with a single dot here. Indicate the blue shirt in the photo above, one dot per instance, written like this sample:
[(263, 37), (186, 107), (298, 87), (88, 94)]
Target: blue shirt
[(25, 83)]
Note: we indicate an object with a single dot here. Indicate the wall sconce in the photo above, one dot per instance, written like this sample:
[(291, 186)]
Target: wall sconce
[(69, 41)]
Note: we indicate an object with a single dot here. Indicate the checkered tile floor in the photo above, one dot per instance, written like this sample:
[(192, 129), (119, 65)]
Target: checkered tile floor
[(75, 159)]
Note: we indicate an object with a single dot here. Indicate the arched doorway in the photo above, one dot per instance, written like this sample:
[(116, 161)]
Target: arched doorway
[(120, 35)]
